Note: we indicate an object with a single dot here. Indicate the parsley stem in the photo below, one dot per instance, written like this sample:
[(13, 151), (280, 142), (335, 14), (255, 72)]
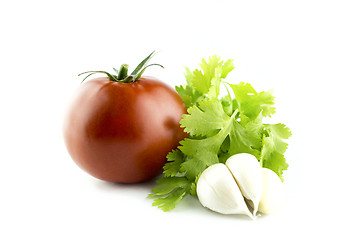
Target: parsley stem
[(224, 83), (234, 114)]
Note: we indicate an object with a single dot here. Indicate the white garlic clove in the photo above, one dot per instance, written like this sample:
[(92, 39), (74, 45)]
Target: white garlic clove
[(273, 192), (247, 172), (217, 190)]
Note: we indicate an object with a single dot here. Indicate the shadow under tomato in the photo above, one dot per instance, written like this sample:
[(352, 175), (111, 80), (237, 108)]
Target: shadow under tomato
[(112, 186)]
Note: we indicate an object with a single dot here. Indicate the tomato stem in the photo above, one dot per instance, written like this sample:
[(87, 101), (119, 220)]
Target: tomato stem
[(122, 73)]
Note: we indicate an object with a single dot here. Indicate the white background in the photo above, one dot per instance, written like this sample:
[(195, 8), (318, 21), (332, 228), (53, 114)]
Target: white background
[(307, 51)]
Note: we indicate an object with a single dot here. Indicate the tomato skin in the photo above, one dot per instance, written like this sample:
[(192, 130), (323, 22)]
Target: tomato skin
[(122, 132)]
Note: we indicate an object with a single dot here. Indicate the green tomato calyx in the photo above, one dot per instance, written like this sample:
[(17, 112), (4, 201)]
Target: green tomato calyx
[(122, 74)]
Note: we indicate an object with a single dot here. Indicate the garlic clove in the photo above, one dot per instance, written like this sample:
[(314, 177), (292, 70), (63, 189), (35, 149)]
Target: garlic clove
[(273, 192), (217, 190), (247, 172)]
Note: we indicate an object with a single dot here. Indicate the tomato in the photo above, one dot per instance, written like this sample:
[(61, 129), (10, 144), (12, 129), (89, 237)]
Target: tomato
[(122, 131)]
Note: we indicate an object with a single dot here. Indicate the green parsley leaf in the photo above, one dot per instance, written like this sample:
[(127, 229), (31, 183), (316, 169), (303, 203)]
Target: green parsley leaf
[(209, 112), (272, 154), (221, 71), (189, 95), (279, 129), (175, 159), (169, 192), (243, 141), (252, 103), (226, 68), (201, 80), (209, 75), (202, 153)]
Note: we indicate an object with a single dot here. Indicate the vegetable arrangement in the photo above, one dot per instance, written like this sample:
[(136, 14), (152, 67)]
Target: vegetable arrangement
[(220, 126), (128, 128)]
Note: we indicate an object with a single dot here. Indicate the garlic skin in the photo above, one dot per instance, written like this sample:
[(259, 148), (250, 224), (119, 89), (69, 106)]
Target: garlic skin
[(273, 192), (247, 172), (217, 190)]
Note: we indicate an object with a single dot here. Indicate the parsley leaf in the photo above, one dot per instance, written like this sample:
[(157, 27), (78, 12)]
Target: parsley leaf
[(203, 153), (274, 147), (170, 191), (252, 103), (189, 95), (201, 80), (204, 82), (209, 112), (175, 159)]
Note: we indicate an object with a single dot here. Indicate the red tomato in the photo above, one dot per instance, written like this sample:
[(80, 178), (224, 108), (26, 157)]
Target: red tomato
[(122, 132)]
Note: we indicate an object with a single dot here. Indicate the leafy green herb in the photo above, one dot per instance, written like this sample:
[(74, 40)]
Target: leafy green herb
[(219, 127)]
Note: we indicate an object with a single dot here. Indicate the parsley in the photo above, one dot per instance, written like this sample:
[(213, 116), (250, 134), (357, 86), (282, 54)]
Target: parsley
[(219, 127)]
